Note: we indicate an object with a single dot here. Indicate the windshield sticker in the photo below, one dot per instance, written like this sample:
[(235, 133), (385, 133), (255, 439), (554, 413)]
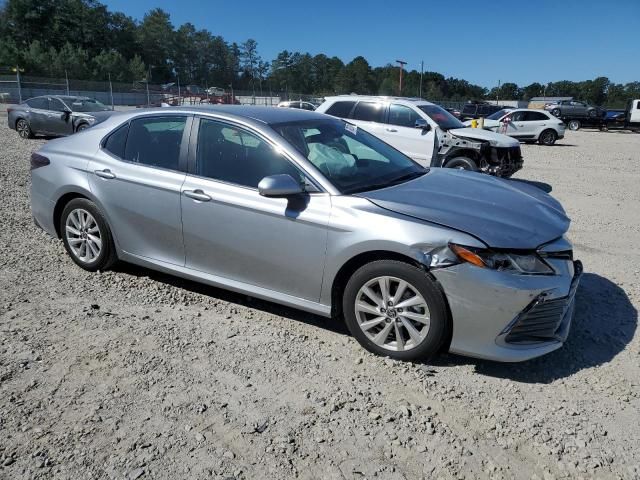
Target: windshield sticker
[(351, 128)]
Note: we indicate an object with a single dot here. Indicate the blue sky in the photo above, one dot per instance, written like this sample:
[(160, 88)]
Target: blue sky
[(480, 41)]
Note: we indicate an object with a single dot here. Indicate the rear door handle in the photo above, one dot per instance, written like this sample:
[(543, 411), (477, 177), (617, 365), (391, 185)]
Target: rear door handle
[(197, 195), (106, 173), (391, 130)]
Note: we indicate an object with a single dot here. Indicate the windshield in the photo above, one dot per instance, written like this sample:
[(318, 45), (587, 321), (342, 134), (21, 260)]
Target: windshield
[(443, 118), (499, 114), (350, 158), (86, 105)]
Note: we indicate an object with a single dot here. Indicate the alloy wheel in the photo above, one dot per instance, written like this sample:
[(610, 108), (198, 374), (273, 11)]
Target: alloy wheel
[(23, 129), (547, 138), (392, 313), (83, 235)]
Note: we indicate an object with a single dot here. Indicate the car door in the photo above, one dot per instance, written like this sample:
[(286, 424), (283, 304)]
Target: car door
[(137, 176), (578, 108), (401, 132), (59, 121), (535, 123), (514, 125), (38, 114), (233, 232), (370, 116)]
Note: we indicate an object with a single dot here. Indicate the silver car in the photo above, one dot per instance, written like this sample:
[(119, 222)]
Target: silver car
[(313, 212)]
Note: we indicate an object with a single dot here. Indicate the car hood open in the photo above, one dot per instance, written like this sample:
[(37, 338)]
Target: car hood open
[(502, 213), (495, 139)]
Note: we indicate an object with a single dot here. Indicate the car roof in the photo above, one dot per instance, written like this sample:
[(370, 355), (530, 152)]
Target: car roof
[(383, 98), (263, 114)]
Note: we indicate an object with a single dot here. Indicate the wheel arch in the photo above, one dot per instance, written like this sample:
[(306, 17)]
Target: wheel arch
[(463, 152), (59, 207), (354, 263)]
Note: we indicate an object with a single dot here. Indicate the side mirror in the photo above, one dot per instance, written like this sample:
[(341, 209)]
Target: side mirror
[(279, 186), (423, 124)]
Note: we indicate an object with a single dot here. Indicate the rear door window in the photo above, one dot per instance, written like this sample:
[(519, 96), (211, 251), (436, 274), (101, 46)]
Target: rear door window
[(56, 105), (535, 116), (369, 112), (340, 109), (40, 103), (155, 141)]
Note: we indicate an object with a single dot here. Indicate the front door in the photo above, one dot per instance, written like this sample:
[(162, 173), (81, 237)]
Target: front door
[(233, 232), (59, 119), (402, 133), (137, 175)]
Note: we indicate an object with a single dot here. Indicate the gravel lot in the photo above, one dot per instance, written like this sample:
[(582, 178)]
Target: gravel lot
[(134, 374)]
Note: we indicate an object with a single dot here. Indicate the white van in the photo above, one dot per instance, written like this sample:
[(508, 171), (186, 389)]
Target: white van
[(428, 133)]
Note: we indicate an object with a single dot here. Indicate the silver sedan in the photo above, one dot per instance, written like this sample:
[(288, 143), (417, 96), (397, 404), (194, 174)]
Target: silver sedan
[(312, 212)]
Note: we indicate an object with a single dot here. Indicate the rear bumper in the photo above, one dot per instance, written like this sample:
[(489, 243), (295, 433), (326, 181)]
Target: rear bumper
[(509, 318)]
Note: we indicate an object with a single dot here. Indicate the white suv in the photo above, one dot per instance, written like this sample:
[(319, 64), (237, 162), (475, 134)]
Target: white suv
[(428, 133), (526, 124)]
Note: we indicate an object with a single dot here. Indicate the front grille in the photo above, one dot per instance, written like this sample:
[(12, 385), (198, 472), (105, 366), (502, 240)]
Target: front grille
[(544, 320)]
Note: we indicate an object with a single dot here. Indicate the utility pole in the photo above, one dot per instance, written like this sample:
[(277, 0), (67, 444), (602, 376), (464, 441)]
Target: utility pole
[(148, 79), (18, 82), (498, 93), (402, 63), (111, 92), (421, 73), (179, 98)]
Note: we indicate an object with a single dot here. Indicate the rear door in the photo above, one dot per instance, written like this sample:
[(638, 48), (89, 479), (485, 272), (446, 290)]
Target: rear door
[(233, 232), (137, 176), (370, 116), (535, 123), (401, 133), (38, 114)]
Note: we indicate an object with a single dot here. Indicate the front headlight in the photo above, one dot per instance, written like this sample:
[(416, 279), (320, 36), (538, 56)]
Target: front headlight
[(91, 120), (527, 263)]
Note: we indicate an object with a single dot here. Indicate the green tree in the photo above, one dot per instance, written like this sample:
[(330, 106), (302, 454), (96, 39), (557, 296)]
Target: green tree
[(155, 35)]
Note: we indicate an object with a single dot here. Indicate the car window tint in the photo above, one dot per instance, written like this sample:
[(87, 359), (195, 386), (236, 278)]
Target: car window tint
[(340, 109), (402, 116), (517, 116), (535, 116), (234, 155), (41, 103), (368, 112), (116, 142), (56, 105), (155, 141)]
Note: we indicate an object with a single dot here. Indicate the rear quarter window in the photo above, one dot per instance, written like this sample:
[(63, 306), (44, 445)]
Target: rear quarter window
[(116, 141)]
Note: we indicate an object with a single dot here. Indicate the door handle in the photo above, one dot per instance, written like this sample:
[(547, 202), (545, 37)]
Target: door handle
[(391, 130), (197, 195), (106, 173), (521, 124)]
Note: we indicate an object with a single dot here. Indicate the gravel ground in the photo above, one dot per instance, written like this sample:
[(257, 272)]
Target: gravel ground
[(134, 374)]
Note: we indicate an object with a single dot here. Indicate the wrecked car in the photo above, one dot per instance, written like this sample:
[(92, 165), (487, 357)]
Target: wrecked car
[(312, 212), (428, 133)]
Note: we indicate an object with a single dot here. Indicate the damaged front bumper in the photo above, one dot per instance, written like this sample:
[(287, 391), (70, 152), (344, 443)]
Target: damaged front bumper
[(509, 318)]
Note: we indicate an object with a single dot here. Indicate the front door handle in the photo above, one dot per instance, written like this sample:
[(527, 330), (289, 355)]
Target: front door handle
[(197, 195), (391, 130), (106, 173)]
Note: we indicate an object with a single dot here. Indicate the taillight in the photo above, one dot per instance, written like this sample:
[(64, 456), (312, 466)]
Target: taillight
[(38, 161)]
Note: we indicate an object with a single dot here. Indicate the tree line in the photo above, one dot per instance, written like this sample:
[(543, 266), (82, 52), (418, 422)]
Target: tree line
[(83, 40)]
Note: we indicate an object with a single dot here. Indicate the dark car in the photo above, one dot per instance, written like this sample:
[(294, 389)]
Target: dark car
[(56, 115), (473, 110)]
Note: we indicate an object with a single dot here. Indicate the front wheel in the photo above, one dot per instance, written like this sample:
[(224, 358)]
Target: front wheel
[(82, 126), (574, 125), (548, 137), (24, 129), (86, 235), (462, 163), (395, 309)]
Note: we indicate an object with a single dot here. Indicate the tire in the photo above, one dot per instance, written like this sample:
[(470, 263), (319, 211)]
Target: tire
[(592, 113), (462, 163), (94, 237), (555, 112), (574, 125), (82, 126), (421, 336), (24, 129), (548, 137)]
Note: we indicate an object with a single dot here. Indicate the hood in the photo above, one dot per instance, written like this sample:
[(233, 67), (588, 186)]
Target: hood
[(487, 123), (494, 139), (502, 213)]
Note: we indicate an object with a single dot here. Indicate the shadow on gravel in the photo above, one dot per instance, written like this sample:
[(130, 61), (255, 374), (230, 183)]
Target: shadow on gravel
[(330, 324), (545, 187), (605, 322)]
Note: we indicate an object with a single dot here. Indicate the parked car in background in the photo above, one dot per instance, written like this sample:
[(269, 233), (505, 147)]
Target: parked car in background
[(526, 125), (215, 91), (297, 104), (574, 108), (320, 215), (454, 111), (473, 110), (57, 115), (428, 133)]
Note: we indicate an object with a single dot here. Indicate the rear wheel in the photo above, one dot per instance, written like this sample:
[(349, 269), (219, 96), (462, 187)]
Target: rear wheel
[(574, 125), (395, 309), (462, 163), (24, 129), (86, 235), (555, 112), (82, 126), (548, 137)]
